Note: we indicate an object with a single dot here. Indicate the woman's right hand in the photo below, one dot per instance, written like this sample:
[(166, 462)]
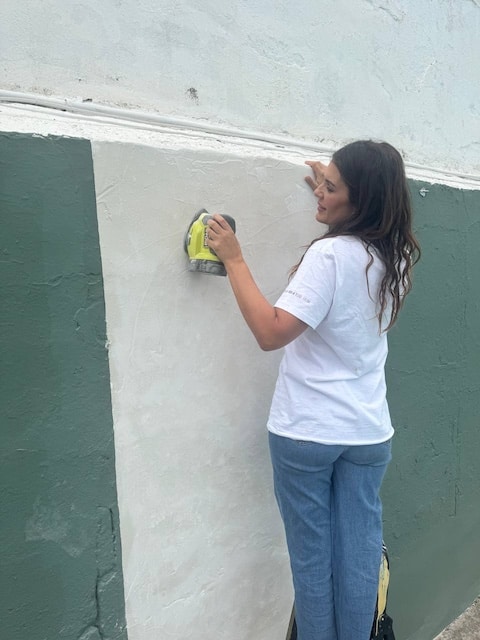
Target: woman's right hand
[(222, 239), (318, 169)]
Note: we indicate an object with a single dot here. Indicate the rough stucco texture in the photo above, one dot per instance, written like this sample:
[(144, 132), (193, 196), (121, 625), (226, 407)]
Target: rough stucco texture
[(203, 546), (61, 572), (202, 542), (328, 71), (431, 492), (191, 392)]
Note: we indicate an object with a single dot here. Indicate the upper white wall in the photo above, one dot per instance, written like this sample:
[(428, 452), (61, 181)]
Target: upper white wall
[(406, 71)]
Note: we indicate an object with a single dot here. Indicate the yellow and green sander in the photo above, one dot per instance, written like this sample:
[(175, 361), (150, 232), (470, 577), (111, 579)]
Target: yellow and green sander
[(201, 257)]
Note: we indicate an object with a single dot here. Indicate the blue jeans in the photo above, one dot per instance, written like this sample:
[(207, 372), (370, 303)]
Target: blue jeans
[(328, 496)]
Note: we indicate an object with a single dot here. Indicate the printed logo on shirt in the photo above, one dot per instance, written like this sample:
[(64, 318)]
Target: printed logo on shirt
[(298, 295)]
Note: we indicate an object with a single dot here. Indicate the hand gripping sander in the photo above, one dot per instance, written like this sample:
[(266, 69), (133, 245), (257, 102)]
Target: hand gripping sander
[(201, 257)]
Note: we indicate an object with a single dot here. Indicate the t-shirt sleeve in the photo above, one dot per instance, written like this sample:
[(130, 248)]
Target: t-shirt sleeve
[(309, 294)]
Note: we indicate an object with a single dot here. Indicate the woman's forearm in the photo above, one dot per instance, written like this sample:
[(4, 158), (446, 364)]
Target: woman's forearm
[(273, 328), (258, 313)]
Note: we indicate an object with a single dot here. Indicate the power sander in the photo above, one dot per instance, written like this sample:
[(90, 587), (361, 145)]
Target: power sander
[(201, 257)]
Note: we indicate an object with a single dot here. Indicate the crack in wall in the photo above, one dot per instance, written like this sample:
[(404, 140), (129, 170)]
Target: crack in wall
[(98, 619), (103, 624), (390, 8), (90, 633)]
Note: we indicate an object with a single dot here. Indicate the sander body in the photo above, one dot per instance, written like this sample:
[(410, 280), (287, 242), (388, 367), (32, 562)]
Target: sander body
[(201, 257)]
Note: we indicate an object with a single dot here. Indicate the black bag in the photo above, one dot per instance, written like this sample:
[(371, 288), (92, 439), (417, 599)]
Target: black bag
[(382, 628)]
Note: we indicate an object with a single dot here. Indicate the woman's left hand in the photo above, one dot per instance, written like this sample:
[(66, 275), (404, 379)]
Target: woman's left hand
[(318, 169), (222, 240)]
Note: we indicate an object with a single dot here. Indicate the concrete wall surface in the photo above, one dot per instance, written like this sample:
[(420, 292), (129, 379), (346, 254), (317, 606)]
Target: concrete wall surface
[(203, 546), (431, 492), (136, 489), (61, 572), (202, 543), (319, 70)]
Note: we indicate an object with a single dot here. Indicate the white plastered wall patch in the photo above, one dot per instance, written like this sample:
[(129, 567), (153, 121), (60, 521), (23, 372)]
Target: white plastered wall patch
[(203, 545)]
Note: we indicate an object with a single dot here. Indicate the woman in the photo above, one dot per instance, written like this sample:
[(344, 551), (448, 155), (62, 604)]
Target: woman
[(329, 425)]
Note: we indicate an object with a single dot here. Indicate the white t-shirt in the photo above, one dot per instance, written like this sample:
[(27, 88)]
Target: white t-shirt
[(331, 384)]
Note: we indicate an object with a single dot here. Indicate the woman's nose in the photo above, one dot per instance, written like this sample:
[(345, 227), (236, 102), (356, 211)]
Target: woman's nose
[(318, 191)]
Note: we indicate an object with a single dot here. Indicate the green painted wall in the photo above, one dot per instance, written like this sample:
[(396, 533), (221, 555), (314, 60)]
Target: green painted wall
[(60, 574), (61, 563), (432, 490)]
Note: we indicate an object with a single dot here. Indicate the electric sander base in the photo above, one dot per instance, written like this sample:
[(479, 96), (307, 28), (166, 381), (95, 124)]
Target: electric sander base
[(207, 266)]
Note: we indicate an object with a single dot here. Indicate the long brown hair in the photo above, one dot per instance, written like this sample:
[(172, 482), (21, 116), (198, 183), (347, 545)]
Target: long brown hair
[(375, 176)]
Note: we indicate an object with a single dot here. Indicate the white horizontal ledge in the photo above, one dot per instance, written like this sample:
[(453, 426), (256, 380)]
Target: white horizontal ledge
[(90, 111), (88, 108)]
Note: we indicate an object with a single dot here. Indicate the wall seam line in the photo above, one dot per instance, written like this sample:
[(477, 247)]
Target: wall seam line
[(124, 117)]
